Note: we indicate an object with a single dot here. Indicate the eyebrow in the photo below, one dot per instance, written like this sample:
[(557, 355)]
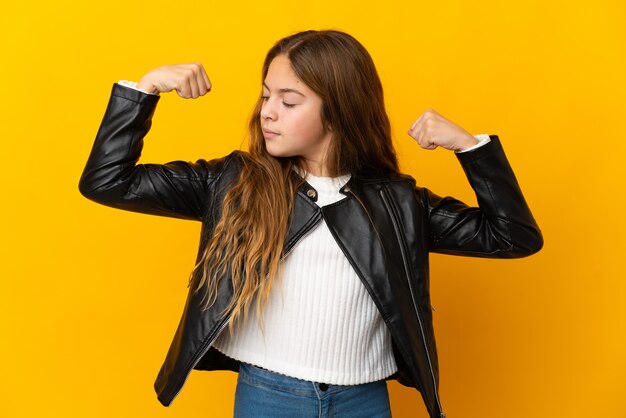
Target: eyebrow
[(286, 90)]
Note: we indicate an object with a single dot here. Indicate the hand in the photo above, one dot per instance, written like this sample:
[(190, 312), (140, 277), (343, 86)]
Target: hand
[(431, 130), (189, 80)]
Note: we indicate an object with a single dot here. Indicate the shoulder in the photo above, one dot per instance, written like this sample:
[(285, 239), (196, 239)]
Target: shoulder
[(376, 179), (231, 162), (229, 167), (401, 185)]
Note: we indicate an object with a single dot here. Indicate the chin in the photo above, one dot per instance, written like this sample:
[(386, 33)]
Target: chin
[(276, 152)]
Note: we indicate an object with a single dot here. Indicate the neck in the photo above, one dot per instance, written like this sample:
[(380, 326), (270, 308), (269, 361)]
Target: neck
[(306, 171), (317, 169)]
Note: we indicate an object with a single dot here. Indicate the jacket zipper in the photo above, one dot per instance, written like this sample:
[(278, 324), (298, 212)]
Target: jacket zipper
[(390, 209), (223, 324)]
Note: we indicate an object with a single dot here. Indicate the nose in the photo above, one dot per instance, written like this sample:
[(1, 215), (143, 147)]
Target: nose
[(267, 110)]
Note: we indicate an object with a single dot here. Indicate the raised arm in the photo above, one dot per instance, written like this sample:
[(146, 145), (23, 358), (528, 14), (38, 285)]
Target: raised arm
[(502, 225), (112, 176)]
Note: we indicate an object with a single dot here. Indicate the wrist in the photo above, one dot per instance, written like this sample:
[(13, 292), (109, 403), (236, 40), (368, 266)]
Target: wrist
[(467, 143), (147, 86)]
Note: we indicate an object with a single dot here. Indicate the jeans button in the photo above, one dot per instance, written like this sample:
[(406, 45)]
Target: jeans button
[(323, 386)]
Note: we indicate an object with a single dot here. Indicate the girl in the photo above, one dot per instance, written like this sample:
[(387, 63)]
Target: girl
[(314, 227)]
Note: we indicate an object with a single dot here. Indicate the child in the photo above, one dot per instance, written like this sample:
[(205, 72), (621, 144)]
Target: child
[(314, 227)]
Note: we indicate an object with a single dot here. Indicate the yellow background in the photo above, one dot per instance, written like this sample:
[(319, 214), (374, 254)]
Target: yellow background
[(90, 296)]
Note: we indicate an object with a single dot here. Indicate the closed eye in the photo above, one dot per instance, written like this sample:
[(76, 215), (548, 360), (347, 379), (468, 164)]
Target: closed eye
[(288, 105)]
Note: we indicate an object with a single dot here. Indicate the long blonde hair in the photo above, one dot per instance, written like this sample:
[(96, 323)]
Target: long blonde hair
[(249, 238)]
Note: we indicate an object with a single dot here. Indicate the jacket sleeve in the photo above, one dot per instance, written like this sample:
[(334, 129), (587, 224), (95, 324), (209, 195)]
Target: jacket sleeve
[(113, 178), (501, 227)]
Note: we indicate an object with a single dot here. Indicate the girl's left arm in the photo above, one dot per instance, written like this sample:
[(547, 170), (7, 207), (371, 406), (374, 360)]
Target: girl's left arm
[(503, 225)]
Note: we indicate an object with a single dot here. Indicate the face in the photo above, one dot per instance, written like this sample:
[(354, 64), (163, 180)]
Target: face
[(291, 117)]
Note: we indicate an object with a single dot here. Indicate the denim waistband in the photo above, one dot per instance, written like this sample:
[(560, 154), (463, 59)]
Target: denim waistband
[(258, 376)]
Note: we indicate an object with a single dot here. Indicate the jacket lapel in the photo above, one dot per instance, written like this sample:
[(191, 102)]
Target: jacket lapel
[(352, 225)]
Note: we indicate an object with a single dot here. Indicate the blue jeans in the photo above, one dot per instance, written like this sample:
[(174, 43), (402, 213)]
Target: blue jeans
[(262, 393)]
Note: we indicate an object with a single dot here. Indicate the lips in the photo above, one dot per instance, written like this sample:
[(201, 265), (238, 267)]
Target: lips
[(269, 134)]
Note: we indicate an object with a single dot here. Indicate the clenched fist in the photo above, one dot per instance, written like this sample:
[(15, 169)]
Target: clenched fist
[(189, 80), (431, 130)]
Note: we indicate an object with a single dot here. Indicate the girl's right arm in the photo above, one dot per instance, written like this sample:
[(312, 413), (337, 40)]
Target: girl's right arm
[(112, 176)]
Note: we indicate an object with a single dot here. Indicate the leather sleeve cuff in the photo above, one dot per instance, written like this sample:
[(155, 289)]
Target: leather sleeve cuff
[(134, 95), (491, 147)]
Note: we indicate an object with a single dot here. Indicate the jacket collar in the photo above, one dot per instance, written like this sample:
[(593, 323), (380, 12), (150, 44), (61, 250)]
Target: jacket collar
[(356, 182)]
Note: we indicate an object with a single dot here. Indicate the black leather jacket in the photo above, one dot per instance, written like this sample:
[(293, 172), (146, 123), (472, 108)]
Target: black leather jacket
[(386, 226)]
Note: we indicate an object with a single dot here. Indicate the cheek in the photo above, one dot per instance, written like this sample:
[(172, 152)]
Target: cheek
[(309, 124)]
